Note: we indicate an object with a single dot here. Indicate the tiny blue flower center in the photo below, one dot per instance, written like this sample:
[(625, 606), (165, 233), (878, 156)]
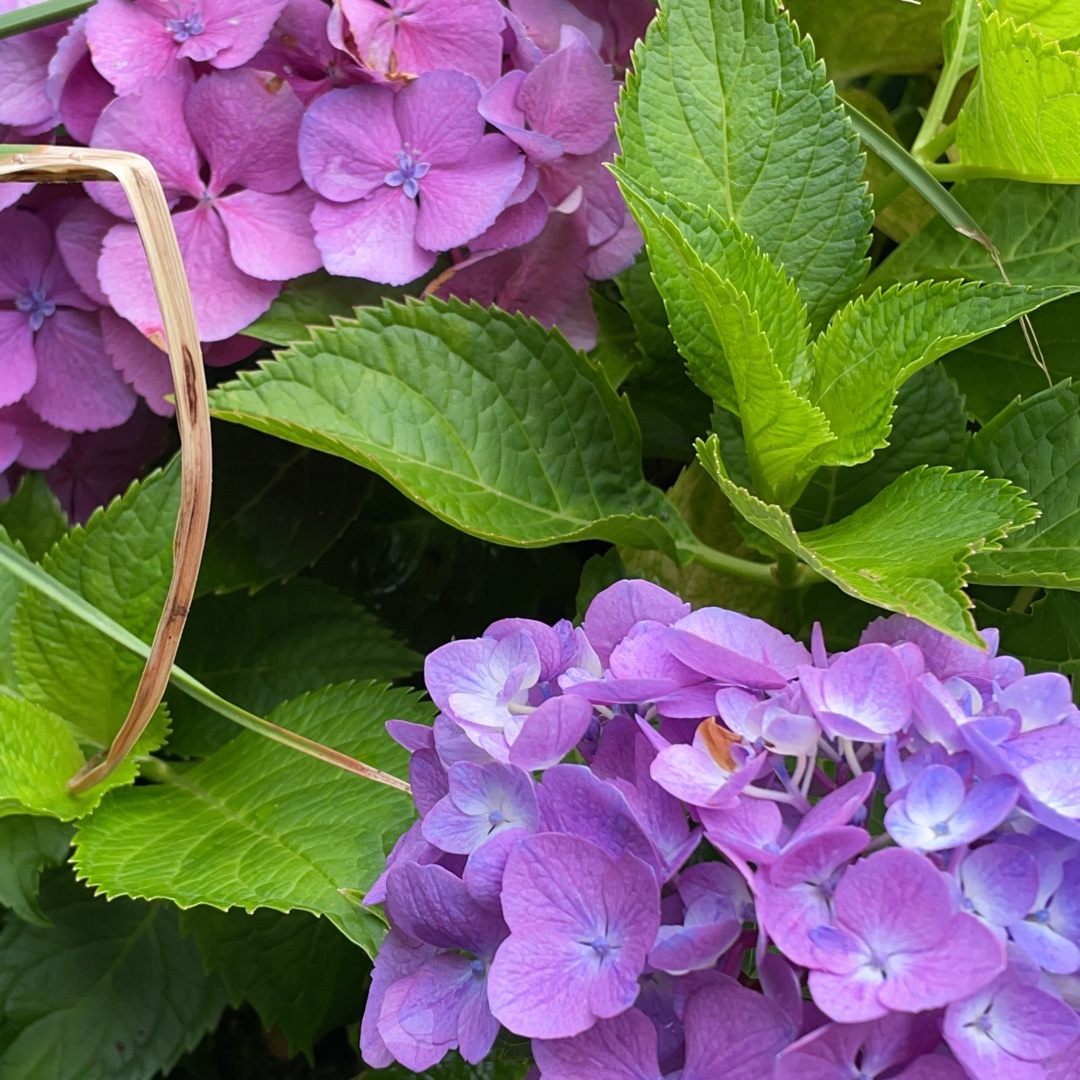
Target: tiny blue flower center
[(967, 905), (35, 304), (410, 170), (600, 946), (479, 968), (942, 828), (984, 1024), (496, 818), (191, 25), (1042, 916)]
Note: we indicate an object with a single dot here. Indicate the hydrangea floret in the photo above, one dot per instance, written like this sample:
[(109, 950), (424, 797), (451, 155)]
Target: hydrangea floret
[(673, 843)]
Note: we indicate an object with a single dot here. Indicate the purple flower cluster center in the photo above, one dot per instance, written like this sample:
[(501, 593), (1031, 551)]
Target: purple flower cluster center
[(409, 172), (36, 304), (186, 26)]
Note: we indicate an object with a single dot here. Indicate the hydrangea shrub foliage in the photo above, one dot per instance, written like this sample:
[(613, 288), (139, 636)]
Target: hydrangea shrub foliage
[(676, 508)]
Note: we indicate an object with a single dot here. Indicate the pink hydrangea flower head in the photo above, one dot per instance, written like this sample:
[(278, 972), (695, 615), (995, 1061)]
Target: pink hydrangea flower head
[(403, 175), (135, 40), (245, 229), (54, 356), (24, 69), (75, 85), (405, 38)]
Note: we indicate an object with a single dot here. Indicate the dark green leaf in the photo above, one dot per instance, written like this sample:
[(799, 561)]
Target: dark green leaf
[(33, 517), (27, 846)]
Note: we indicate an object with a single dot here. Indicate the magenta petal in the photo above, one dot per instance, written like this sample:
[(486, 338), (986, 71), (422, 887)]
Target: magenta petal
[(77, 389), (271, 236), (235, 31), (77, 86), (437, 117), (143, 365), (348, 140), (19, 368), (10, 445), (42, 445), (246, 124), (150, 121), (226, 299), (27, 247), (129, 43), (615, 610), (79, 237), (24, 65), (459, 202), (622, 1048), (372, 238)]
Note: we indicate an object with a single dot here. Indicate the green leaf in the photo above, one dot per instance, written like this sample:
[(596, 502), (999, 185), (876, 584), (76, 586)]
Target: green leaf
[(727, 108), (492, 423), (258, 651), (616, 352), (906, 549), (995, 370), (1036, 444), (40, 755), (10, 587), (316, 300), (258, 825), (1057, 20), (277, 508), (1021, 117), (297, 971), (27, 846), (33, 517), (960, 36), (877, 342), (929, 427), (864, 37), (120, 563), (1036, 228), (643, 301), (110, 992)]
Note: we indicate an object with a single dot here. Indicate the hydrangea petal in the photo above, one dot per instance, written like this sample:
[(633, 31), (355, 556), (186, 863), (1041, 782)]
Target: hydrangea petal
[(622, 1048), (129, 44), (143, 365), (271, 236), (24, 64), (615, 610), (19, 369), (437, 117)]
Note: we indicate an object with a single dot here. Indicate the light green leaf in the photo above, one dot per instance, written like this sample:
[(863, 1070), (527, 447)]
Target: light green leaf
[(929, 427), (1058, 20), (120, 563), (727, 108), (864, 37), (33, 517), (258, 825), (1021, 117), (1036, 444), (682, 239), (40, 755), (27, 846), (10, 587), (906, 550), (110, 992), (1036, 228), (492, 423), (877, 342), (277, 508), (960, 36), (258, 651), (297, 971)]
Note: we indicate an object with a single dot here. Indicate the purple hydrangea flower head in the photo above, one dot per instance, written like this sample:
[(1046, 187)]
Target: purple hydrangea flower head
[(897, 942), (403, 175), (710, 772), (622, 1048), (612, 26), (52, 335), (1038, 701), (24, 68), (243, 231), (870, 1050), (581, 925), (443, 1004), (863, 694), (565, 105), (399, 957), (735, 649), (1049, 932), (773, 722), (135, 40), (404, 38), (1000, 883), (938, 811), (615, 611), (1007, 1029), (483, 801)]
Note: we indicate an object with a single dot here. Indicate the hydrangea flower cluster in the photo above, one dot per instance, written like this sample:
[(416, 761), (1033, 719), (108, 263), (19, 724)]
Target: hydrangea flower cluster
[(379, 140), (679, 844)]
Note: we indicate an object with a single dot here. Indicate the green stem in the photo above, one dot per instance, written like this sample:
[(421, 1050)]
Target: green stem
[(939, 144), (34, 576), (951, 74), (760, 573), (43, 14), (788, 571)]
